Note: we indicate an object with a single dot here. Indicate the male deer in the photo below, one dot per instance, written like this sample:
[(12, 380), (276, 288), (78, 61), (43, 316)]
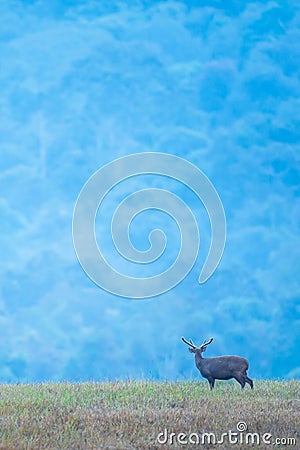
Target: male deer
[(220, 367)]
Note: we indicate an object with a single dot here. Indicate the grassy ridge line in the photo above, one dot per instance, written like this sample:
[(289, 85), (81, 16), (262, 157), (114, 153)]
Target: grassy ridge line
[(129, 415)]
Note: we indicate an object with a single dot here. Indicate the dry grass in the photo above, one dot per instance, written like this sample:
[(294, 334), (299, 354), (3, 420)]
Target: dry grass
[(129, 415)]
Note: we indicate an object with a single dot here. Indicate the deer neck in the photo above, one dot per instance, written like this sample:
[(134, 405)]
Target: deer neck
[(198, 358)]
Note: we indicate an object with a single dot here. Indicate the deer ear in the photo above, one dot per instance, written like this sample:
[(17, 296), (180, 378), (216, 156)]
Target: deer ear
[(191, 350), (203, 349)]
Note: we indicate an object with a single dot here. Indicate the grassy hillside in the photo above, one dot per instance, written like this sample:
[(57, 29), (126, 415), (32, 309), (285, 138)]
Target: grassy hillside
[(130, 415)]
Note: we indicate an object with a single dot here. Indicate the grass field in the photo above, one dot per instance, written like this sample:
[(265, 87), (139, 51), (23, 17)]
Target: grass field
[(130, 415)]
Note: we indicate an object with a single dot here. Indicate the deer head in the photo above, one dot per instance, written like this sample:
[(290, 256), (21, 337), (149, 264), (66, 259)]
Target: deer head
[(193, 348)]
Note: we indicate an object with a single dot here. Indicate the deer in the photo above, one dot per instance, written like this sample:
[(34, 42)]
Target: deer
[(220, 367)]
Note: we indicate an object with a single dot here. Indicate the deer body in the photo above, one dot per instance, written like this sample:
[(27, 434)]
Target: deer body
[(220, 367)]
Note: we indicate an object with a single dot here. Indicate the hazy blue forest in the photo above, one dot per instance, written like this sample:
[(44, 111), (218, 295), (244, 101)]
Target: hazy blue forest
[(85, 82)]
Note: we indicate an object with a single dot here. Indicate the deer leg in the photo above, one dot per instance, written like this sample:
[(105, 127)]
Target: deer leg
[(249, 381), (211, 383), (241, 381)]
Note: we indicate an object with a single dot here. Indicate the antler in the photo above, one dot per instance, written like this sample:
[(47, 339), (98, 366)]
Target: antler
[(205, 343), (190, 342)]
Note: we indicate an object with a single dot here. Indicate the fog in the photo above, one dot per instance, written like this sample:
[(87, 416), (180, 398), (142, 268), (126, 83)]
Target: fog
[(84, 83)]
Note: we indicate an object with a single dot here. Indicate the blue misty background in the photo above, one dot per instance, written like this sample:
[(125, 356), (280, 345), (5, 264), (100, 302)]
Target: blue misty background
[(85, 82)]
